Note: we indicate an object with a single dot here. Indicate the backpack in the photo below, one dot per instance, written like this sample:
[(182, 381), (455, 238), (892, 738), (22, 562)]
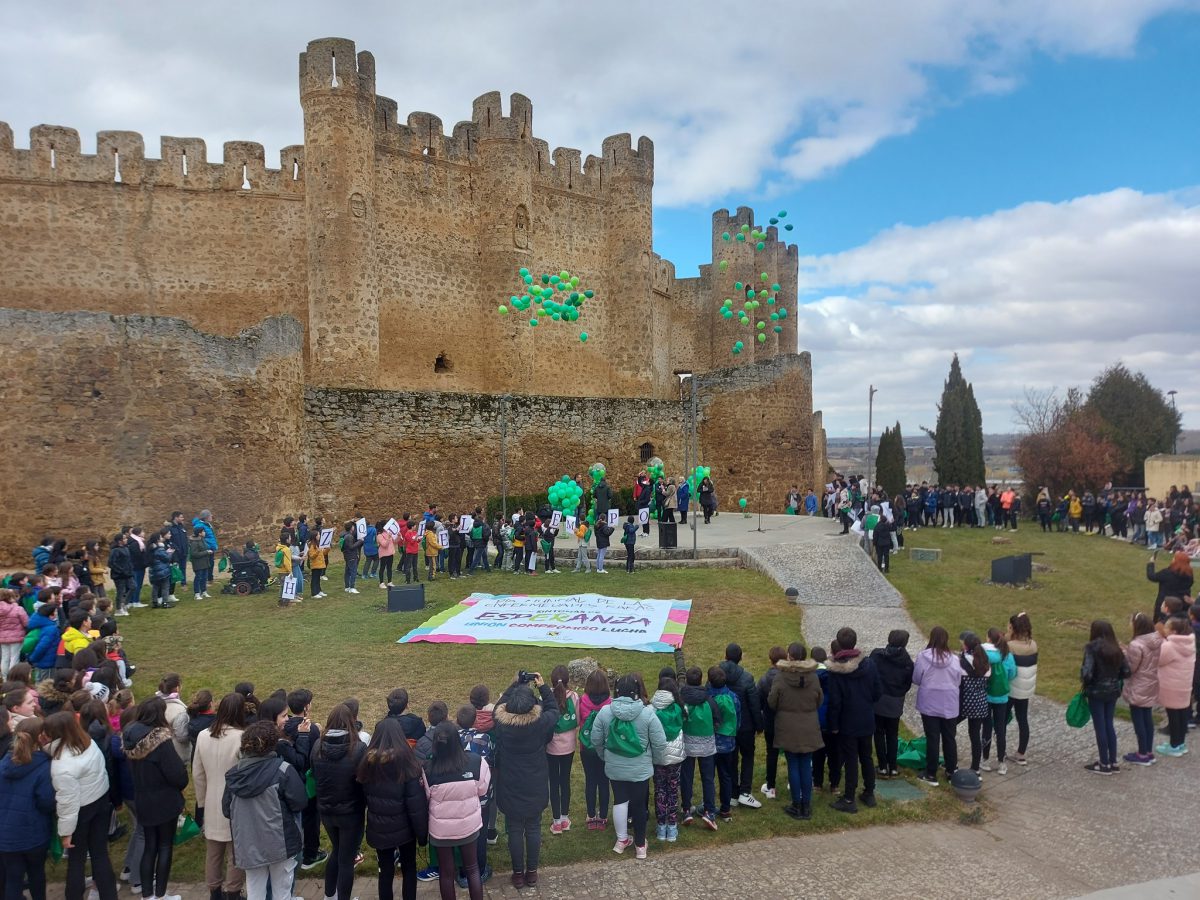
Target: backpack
[(728, 726), (568, 721), (699, 721), (278, 559), (31, 641), (997, 685), (585, 733), (622, 739), (477, 533), (628, 537), (671, 719)]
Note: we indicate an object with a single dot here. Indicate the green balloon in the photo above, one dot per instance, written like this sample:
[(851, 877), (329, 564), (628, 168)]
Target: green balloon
[(763, 276), (589, 294), (782, 313), (528, 279), (771, 300), (774, 317), (745, 228), (788, 226), (564, 275), (724, 235), (533, 323), (574, 281), (502, 309), (741, 237), (723, 265), (775, 287), (545, 279), (523, 271), (737, 285), (762, 325), (782, 214), (774, 221), (583, 336), (742, 502), (778, 329), (750, 294), (762, 338), (759, 246)]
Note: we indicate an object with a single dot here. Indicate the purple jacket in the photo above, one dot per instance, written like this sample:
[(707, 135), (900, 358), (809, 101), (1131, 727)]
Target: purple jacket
[(937, 680)]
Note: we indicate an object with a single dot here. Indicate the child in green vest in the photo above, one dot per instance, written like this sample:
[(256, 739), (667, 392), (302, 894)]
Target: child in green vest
[(726, 737), (669, 710), (701, 718)]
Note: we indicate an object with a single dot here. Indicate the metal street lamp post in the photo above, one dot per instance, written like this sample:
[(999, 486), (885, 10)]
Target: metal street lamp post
[(870, 423)]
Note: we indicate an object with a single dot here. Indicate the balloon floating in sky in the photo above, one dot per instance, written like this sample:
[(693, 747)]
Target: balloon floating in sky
[(724, 235), (556, 297), (787, 227)]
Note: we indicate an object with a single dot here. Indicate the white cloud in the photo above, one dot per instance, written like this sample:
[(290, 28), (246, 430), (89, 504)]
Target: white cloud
[(733, 96), (1043, 294)]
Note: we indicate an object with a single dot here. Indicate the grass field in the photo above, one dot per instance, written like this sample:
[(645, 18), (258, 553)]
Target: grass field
[(344, 645), (1090, 578)]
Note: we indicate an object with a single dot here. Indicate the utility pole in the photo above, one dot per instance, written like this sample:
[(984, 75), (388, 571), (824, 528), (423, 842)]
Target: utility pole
[(504, 458), (870, 423)]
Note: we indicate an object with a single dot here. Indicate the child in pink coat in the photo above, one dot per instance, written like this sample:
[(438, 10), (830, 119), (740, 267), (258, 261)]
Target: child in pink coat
[(456, 780), (1176, 665)]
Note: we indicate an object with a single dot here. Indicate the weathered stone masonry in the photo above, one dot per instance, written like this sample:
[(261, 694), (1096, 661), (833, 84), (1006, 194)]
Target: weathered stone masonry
[(183, 333)]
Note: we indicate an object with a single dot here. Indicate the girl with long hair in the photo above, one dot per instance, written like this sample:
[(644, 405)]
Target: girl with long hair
[(340, 799), (80, 780), (1104, 668), (560, 752), (595, 697), (938, 677), (26, 812), (216, 752), (1004, 670), (397, 808), (159, 778), (973, 701), (455, 782), (1141, 688), (1021, 688)]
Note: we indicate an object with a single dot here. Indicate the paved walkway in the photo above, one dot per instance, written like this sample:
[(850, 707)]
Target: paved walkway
[(1051, 830)]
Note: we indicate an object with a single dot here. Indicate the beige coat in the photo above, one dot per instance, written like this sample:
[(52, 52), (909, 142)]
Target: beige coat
[(214, 757)]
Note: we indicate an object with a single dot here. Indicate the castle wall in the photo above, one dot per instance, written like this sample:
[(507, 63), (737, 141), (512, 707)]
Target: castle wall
[(756, 430), (197, 247), (129, 417), (449, 448)]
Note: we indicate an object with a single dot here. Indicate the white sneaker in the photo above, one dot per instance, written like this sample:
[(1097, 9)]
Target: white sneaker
[(1003, 769), (170, 897), (985, 766), (94, 894), (206, 595), (767, 792), (322, 594), (354, 590), (749, 800), (172, 598)]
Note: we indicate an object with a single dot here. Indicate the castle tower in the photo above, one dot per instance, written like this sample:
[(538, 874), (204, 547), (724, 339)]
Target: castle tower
[(337, 93), (504, 187), (627, 180)]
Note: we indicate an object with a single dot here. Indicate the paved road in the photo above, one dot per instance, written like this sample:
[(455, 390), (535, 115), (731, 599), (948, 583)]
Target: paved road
[(1052, 829)]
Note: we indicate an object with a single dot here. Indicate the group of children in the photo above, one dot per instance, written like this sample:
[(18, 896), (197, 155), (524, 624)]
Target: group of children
[(455, 546)]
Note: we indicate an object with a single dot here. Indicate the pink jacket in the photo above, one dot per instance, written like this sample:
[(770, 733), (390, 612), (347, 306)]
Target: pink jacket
[(387, 544), (454, 810), (562, 743), (1176, 665), (1141, 687), (587, 707), (12, 623)]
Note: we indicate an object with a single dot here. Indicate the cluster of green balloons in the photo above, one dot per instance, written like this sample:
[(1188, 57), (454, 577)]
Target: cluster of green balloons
[(597, 471), (754, 296), (558, 296), (698, 476), (565, 495), (655, 471), (782, 214)]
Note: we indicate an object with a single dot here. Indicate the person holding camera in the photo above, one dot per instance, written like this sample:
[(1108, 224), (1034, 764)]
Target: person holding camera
[(523, 727)]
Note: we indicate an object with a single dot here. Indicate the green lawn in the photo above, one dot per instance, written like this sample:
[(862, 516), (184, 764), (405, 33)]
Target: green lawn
[(345, 646), (1090, 578)]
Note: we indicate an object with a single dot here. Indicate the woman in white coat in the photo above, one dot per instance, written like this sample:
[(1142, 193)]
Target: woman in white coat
[(217, 751), (80, 778)]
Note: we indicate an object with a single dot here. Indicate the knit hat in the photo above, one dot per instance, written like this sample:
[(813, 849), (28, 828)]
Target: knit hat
[(520, 701)]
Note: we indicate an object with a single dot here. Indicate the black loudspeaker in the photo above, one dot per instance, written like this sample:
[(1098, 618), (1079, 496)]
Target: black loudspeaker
[(668, 536), (1012, 569), (406, 598)]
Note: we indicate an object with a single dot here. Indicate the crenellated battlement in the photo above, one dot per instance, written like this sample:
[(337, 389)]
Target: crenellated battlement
[(331, 65), (54, 155), (622, 161)]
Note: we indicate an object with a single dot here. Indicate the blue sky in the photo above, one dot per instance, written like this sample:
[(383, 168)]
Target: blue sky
[(1016, 181), (1072, 126)]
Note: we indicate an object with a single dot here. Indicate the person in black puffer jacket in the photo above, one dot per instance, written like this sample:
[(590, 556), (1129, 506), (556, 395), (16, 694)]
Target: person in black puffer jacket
[(751, 721), (523, 728), (397, 808), (895, 669), (340, 798), (854, 689), (159, 778)]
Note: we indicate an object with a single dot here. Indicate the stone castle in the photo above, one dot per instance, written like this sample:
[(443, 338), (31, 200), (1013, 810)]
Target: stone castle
[(323, 337)]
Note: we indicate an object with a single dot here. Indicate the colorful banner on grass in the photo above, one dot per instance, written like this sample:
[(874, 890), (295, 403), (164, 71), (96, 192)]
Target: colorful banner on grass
[(574, 620)]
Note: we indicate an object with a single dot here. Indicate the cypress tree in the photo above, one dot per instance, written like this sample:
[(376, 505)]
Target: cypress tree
[(958, 437), (889, 468)]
